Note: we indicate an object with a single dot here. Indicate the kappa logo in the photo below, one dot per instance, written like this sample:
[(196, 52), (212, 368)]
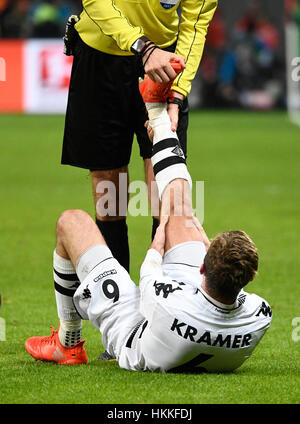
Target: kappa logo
[(178, 151), (86, 294), (265, 310), (166, 289), (241, 299), (167, 4)]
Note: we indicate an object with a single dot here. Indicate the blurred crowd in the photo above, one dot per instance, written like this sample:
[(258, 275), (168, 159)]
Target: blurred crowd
[(242, 65), (35, 18), (293, 11)]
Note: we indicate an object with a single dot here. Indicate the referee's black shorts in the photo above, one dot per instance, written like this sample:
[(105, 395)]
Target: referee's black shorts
[(105, 110)]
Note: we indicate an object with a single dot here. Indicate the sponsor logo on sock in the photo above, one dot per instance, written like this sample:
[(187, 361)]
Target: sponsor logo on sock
[(58, 355), (178, 151)]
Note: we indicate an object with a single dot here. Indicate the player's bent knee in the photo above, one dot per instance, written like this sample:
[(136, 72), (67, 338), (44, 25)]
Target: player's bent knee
[(71, 217)]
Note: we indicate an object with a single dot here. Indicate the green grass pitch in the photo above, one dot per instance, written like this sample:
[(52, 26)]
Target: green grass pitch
[(250, 165)]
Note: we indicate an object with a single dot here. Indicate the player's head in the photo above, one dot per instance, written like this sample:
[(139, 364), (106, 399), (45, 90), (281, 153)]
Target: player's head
[(230, 264)]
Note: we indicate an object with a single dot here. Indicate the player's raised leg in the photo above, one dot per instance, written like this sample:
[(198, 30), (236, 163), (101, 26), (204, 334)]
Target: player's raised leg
[(171, 174)]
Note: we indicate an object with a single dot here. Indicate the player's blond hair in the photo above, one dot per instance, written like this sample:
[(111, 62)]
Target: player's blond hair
[(230, 264)]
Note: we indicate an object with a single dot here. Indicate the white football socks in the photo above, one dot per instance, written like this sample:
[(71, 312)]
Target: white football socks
[(65, 285), (160, 122), (69, 332), (168, 159)]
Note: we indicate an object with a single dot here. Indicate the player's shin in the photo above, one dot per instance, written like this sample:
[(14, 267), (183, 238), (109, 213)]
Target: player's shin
[(65, 285), (168, 158)]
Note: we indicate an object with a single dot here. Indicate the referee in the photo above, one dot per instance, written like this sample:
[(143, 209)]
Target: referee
[(117, 41)]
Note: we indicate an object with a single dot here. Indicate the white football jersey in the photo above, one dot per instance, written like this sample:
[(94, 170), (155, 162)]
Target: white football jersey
[(186, 330)]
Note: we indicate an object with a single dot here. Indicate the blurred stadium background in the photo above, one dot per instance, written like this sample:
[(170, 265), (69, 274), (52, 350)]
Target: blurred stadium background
[(244, 65)]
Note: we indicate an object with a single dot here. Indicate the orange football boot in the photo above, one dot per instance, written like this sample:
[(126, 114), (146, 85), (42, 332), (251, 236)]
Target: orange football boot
[(156, 92), (50, 349)]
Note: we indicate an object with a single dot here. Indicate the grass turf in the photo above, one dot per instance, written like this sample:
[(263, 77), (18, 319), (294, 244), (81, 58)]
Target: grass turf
[(250, 165)]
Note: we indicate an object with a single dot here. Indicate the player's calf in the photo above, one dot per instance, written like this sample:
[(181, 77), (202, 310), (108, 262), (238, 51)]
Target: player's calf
[(168, 159)]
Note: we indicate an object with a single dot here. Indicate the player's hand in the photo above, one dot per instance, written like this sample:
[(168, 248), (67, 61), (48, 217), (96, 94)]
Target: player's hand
[(158, 65), (199, 227), (149, 131), (173, 111), (159, 240)]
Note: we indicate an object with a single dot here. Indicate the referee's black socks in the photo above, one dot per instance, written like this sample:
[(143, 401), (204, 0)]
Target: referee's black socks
[(115, 234)]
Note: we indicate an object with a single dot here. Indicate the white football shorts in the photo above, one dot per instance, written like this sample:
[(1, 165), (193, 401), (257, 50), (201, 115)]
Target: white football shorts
[(107, 297), (111, 300)]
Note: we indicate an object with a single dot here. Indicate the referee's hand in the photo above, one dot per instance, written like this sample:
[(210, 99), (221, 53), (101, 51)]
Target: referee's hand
[(158, 65)]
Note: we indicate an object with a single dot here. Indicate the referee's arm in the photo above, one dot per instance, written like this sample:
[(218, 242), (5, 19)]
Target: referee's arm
[(195, 19), (111, 21)]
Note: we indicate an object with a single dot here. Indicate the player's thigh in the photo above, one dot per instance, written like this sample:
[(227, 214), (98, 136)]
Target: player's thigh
[(109, 299), (110, 192)]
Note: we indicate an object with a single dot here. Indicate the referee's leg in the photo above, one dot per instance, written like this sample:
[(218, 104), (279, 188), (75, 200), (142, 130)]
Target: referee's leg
[(152, 195), (110, 214)]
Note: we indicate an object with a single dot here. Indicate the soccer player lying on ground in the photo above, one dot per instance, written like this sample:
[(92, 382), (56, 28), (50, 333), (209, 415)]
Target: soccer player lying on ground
[(189, 312)]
